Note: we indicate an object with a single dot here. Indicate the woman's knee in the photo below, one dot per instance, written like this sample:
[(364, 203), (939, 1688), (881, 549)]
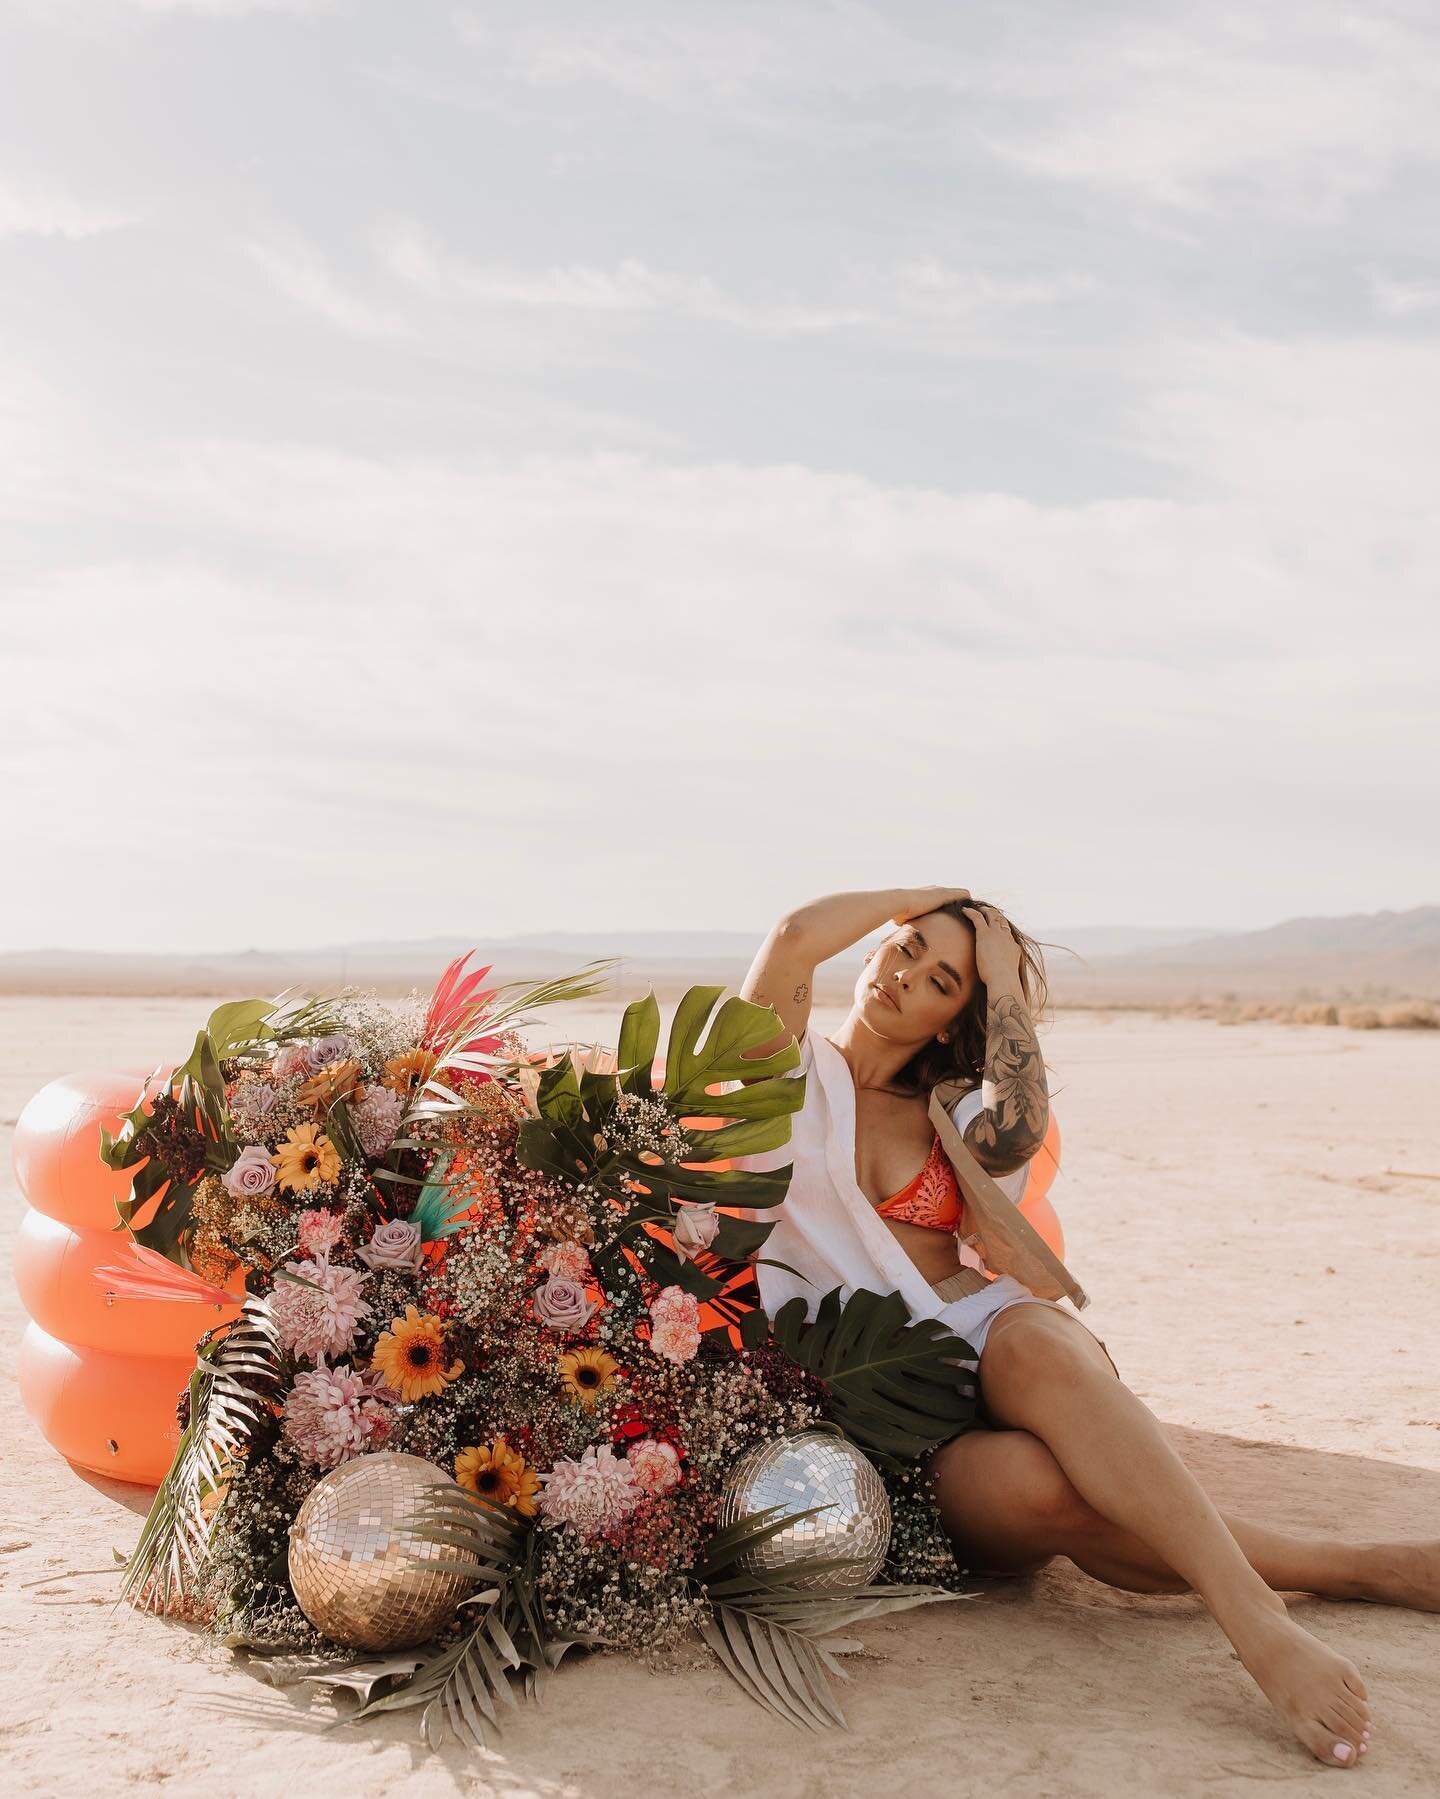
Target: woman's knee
[(1027, 1344), (1012, 1486)]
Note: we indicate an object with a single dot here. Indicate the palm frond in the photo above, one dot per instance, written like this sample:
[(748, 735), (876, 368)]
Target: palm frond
[(497, 1011), (229, 1392), (773, 1632), (466, 1685), (777, 1639)]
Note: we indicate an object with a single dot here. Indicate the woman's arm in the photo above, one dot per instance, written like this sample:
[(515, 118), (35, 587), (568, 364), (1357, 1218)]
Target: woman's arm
[(1010, 1125), (783, 971)]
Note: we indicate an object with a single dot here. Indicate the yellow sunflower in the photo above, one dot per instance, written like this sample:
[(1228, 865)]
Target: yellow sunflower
[(403, 1074), (496, 1471), (588, 1372), (411, 1356), (306, 1159)]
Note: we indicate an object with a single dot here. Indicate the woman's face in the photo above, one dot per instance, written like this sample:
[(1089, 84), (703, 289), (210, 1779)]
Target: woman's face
[(927, 969)]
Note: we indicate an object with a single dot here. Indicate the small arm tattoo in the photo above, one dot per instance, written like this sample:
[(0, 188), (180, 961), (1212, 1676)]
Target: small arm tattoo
[(802, 992), (1006, 1133)]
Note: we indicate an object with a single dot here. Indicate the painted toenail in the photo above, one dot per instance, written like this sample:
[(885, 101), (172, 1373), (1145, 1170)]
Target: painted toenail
[(1364, 1748), (1343, 1752)]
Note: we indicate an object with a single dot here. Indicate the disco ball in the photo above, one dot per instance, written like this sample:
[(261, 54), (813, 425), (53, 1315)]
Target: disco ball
[(351, 1550), (812, 1468)]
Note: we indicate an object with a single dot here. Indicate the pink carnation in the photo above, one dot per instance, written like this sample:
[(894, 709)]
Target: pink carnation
[(595, 1494), (332, 1414), (318, 1314), (675, 1342), (320, 1231), (656, 1465), (565, 1261), (673, 1305)]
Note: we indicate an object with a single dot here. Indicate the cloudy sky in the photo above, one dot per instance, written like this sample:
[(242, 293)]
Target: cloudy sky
[(467, 467)]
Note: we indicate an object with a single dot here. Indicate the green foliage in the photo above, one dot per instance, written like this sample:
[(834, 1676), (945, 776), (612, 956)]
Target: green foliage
[(896, 1386), (571, 1139), (464, 1685), (774, 1635), (235, 1030), (229, 1394)]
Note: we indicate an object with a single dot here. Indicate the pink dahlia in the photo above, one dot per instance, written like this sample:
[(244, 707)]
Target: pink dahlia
[(318, 1314), (656, 1465), (332, 1414), (595, 1494), (376, 1120)]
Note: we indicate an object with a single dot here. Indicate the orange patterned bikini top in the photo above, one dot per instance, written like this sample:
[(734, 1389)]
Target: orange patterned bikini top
[(932, 1198)]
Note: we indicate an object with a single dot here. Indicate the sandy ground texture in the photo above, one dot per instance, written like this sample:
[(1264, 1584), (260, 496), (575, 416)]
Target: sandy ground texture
[(1262, 1277)]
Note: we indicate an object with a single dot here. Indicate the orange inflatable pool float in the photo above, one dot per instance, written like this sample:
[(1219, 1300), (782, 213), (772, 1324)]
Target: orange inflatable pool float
[(100, 1375), (114, 1414)]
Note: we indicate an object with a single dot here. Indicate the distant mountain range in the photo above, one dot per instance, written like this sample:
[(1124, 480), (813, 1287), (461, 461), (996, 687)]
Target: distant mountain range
[(1378, 955)]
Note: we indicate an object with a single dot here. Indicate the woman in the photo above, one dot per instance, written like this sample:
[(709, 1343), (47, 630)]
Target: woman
[(1069, 1462)]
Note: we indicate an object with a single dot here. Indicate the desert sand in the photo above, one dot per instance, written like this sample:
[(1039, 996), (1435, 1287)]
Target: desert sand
[(1263, 1278)]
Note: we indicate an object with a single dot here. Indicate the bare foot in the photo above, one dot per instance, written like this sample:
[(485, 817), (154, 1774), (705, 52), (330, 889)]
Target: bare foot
[(1316, 1692), (1402, 1574)]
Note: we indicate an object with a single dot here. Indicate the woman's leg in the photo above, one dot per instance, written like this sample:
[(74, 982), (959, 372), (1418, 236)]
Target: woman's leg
[(1042, 1371), (1009, 1508)]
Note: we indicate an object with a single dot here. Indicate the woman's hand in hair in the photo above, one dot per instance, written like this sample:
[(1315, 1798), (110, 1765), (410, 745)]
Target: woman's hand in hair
[(921, 900), (997, 953)]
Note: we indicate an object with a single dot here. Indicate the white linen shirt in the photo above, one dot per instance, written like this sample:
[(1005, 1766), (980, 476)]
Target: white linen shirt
[(826, 1228)]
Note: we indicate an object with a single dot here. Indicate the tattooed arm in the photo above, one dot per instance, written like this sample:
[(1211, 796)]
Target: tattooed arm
[(1010, 1125)]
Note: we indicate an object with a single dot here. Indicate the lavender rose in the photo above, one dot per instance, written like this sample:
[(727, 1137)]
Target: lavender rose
[(561, 1305), (696, 1228), (251, 1173), (395, 1245), (324, 1052)]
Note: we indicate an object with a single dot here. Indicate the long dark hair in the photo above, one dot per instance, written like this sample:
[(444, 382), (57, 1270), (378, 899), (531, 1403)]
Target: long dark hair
[(963, 1057)]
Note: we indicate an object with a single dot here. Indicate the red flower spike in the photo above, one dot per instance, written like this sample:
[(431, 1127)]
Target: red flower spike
[(456, 1002)]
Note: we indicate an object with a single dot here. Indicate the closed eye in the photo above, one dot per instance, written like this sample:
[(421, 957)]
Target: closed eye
[(935, 979)]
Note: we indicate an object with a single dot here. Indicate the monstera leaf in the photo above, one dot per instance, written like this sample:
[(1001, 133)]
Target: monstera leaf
[(572, 1136), (896, 1386)]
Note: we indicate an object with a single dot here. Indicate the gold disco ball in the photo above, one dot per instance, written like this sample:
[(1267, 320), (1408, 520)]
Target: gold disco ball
[(353, 1548), (812, 1468)]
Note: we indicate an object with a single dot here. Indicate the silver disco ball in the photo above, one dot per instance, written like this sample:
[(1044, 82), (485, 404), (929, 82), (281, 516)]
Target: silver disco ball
[(812, 1468), (351, 1550)]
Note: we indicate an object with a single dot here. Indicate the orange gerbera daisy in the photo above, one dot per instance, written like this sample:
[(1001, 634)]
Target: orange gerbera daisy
[(588, 1372), (341, 1080), (411, 1356), (496, 1471), (306, 1159), (403, 1074)]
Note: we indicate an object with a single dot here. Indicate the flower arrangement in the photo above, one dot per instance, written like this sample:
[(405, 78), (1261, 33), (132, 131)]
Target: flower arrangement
[(526, 1273)]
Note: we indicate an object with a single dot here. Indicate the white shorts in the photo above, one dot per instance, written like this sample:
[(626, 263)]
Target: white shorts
[(972, 1316)]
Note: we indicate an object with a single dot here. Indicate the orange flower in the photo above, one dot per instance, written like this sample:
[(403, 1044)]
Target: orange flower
[(306, 1159), (403, 1074), (496, 1471), (341, 1080), (588, 1372), (411, 1356)]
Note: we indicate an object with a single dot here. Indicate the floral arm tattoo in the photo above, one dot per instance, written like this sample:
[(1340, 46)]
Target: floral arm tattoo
[(1010, 1126)]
